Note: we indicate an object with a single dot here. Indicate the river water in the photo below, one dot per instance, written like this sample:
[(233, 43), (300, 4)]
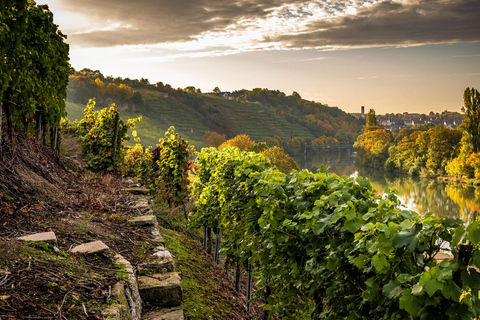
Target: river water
[(417, 194)]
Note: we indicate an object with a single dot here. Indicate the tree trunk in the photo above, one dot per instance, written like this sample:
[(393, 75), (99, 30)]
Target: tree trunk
[(237, 278)]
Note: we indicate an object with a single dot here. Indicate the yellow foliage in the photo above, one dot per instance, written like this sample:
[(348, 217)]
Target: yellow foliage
[(241, 141), (282, 161)]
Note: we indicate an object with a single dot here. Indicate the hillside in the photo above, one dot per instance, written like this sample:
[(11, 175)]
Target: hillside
[(45, 192), (259, 113)]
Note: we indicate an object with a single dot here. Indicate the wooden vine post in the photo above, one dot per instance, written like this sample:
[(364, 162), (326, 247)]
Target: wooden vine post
[(1, 119), (217, 245), (249, 282), (53, 138), (115, 134)]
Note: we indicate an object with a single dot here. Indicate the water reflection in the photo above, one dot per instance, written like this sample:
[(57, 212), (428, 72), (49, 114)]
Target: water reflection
[(419, 195)]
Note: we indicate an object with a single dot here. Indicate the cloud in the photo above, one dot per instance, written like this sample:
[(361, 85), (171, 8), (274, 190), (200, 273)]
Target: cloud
[(394, 23), (249, 25), (160, 21)]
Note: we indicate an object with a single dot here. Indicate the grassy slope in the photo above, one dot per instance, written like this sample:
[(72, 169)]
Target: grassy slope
[(159, 113)]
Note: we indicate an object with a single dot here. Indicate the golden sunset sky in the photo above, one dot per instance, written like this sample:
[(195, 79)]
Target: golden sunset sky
[(392, 56)]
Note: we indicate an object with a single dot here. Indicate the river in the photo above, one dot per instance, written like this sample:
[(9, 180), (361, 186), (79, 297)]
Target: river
[(420, 195)]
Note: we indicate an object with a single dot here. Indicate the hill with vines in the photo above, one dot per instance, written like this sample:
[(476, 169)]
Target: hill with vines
[(259, 113)]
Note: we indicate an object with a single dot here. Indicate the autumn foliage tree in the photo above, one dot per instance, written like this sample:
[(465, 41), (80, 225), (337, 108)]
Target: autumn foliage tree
[(241, 141), (467, 164), (213, 139), (373, 144), (283, 162), (471, 124)]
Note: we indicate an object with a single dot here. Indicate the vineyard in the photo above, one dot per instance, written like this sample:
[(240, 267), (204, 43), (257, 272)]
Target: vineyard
[(325, 246), (35, 71)]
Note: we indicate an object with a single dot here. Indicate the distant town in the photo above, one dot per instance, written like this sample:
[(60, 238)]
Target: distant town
[(397, 121)]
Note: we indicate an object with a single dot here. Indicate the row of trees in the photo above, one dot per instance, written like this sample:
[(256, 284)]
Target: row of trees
[(34, 70), (82, 88), (324, 246), (424, 149)]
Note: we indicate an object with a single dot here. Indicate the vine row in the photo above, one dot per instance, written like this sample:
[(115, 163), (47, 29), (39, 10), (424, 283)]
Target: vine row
[(327, 247)]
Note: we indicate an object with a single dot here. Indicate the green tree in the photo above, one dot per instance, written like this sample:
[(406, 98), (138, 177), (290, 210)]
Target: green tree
[(471, 124), (371, 119), (217, 90)]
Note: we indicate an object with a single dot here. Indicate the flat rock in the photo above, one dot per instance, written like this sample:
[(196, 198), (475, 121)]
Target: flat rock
[(162, 290), (91, 248), (133, 296), (141, 190), (147, 220), (44, 236), (141, 205), (157, 237), (162, 262), (119, 310), (175, 313)]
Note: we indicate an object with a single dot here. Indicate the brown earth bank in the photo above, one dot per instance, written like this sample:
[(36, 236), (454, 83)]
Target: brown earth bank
[(42, 191)]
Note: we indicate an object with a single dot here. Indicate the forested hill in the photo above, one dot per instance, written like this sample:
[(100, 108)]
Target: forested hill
[(260, 113)]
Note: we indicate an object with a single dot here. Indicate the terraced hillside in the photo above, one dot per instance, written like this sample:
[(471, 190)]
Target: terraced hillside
[(260, 113)]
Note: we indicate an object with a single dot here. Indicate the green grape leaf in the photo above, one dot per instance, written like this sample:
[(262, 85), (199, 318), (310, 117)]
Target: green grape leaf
[(408, 238), (409, 303), (393, 289)]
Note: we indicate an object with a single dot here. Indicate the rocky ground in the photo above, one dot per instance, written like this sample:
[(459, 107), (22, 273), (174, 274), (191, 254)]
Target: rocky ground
[(41, 191)]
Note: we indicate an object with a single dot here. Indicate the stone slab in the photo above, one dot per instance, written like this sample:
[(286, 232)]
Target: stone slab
[(119, 310), (162, 262), (141, 205), (133, 296), (91, 248), (43, 236), (147, 220), (162, 290), (175, 313), (157, 237), (143, 191)]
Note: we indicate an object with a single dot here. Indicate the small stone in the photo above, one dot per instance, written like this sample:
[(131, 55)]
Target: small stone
[(147, 220), (44, 236), (91, 248)]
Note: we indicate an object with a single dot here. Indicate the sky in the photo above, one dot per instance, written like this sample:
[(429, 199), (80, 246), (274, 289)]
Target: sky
[(390, 56)]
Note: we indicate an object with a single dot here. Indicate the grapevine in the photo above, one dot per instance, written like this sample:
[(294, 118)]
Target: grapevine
[(327, 247)]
